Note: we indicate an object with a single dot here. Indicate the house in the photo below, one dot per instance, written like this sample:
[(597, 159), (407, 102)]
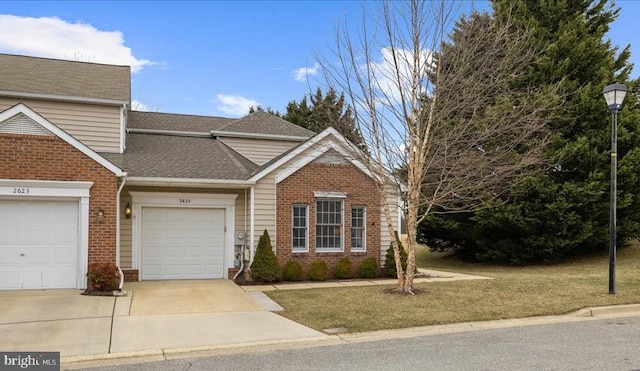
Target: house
[(84, 179)]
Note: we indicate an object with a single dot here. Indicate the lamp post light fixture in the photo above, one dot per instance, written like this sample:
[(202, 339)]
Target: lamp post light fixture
[(614, 95)]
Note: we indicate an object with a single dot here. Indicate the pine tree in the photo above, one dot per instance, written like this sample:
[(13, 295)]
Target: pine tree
[(564, 209), (318, 111)]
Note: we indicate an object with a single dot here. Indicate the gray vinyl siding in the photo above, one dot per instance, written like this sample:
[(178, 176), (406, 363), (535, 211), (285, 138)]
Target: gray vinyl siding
[(265, 209), (259, 151), (97, 126), (385, 236), (125, 233)]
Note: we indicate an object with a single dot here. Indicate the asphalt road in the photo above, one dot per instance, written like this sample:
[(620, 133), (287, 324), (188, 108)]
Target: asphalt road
[(605, 344)]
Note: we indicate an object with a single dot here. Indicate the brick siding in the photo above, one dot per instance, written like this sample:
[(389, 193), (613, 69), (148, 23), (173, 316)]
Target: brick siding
[(39, 157), (299, 188)]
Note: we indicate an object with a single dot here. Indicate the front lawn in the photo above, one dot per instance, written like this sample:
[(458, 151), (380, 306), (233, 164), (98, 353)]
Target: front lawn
[(514, 292)]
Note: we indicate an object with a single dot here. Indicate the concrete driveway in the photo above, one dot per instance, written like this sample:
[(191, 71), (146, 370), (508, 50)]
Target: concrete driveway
[(153, 317)]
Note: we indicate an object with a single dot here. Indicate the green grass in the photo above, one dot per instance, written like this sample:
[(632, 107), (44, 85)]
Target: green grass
[(515, 292)]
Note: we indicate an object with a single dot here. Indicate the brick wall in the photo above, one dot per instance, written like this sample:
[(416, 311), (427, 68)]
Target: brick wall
[(50, 158), (299, 188)]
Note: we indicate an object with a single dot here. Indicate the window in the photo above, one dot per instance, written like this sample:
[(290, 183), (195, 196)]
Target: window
[(358, 228), (300, 228), (328, 225)]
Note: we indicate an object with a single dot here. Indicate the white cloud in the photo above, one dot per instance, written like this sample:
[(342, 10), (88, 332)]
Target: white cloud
[(234, 104), (51, 37), (302, 73), (136, 105), (385, 70)]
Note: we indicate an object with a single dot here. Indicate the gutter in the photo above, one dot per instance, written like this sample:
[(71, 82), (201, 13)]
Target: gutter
[(63, 98), (235, 134), (189, 182)]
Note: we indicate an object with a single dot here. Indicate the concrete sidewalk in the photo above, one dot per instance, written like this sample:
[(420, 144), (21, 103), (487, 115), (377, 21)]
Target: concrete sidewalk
[(424, 275)]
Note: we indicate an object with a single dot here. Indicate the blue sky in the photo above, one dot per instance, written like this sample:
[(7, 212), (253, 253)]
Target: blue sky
[(208, 57)]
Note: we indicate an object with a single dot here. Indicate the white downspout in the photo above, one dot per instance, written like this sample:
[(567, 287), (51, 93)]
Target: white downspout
[(124, 180), (244, 247)]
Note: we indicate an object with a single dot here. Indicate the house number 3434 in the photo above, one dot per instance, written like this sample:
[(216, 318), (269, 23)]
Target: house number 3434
[(185, 201)]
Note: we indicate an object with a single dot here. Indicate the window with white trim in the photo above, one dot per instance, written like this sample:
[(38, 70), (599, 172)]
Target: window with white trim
[(358, 228), (329, 225), (300, 225)]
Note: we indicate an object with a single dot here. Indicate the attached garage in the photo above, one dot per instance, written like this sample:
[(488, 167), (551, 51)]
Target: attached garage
[(43, 234), (182, 243), (180, 236), (38, 244)]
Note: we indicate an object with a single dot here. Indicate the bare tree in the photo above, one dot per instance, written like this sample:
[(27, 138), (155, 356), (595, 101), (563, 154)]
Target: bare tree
[(442, 107)]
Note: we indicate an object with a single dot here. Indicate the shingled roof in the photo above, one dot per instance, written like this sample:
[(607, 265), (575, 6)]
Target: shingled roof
[(169, 156), (175, 122), (260, 122), (62, 78), (168, 145)]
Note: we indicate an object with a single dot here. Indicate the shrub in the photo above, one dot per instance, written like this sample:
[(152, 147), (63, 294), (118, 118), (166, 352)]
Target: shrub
[(318, 270), (343, 269), (389, 268), (102, 277), (265, 267), (292, 271), (368, 268)]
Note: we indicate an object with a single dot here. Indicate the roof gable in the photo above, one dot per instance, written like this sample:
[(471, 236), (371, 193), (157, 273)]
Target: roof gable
[(29, 118), (22, 124), (329, 142)]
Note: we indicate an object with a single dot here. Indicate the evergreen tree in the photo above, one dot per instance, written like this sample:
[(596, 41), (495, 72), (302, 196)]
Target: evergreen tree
[(319, 111), (265, 267), (564, 210)]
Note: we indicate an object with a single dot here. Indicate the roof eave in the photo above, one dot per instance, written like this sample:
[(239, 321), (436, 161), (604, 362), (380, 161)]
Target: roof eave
[(235, 134), (64, 98), (189, 182)]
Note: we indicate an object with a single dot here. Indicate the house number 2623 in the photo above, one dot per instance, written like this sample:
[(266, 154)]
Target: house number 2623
[(185, 201)]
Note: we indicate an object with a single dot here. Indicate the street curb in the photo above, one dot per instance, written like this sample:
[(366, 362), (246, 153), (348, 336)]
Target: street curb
[(74, 362), (612, 310), (586, 314)]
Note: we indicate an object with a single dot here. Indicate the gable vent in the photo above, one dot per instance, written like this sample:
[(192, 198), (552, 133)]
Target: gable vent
[(21, 124)]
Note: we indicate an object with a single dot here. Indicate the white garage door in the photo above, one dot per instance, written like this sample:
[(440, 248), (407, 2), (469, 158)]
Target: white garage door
[(182, 243), (38, 244)]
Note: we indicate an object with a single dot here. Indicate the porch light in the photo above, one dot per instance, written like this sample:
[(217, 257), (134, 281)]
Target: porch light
[(100, 215), (127, 211)]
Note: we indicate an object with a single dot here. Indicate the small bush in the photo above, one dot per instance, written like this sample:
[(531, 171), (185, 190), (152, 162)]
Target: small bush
[(102, 277), (318, 270), (292, 271), (389, 268), (265, 267), (368, 268), (344, 269)]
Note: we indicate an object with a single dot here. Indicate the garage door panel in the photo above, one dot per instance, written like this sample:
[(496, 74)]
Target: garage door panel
[(9, 278), (9, 233), (38, 244), (191, 246)]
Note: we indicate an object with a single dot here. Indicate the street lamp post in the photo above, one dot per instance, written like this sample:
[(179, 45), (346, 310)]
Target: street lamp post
[(614, 95)]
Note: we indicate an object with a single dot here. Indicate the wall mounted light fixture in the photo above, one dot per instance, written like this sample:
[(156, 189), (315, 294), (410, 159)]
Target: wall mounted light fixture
[(127, 211), (100, 215)]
